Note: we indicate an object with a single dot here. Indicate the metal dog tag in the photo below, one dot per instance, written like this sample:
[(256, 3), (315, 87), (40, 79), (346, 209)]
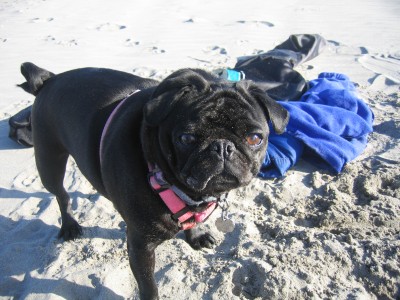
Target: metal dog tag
[(224, 225)]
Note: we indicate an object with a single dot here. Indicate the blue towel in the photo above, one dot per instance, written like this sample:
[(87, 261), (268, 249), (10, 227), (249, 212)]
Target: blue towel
[(328, 126)]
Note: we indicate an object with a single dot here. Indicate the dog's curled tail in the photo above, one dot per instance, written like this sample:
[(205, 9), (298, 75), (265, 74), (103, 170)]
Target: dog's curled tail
[(35, 77)]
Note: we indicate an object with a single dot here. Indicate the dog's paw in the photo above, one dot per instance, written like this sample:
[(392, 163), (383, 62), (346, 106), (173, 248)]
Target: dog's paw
[(70, 230), (201, 240)]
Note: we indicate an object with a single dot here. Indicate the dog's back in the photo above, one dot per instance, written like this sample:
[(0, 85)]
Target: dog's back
[(70, 111)]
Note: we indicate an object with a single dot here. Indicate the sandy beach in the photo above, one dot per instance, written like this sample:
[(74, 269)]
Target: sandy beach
[(309, 235)]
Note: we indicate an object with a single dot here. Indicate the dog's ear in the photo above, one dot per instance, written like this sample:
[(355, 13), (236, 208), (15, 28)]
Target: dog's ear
[(35, 78), (276, 113), (178, 86)]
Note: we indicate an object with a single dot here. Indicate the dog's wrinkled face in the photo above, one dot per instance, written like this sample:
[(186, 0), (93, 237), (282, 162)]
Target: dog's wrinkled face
[(216, 143), (208, 136)]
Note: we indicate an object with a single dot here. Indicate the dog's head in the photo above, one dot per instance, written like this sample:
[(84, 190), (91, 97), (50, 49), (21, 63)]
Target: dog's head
[(208, 136)]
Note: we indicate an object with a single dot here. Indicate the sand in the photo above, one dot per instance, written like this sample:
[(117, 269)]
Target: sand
[(309, 235)]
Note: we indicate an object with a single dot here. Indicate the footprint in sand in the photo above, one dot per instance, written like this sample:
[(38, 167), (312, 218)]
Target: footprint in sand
[(50, 38), (249, 279), (110, 27), (14, 108), (41, 20), (257, 23), (28, 180), (216, 50), (157, 50), (150, 73), (387, 66), (154, 49), (32, 206), (346, 49), (131, 43), (70, 43), (195, 20)]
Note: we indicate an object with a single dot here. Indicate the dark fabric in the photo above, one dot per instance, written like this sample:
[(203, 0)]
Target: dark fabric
[(274, 70), (20, 127)]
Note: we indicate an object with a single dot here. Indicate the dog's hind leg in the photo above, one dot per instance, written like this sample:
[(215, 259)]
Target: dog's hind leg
[(51, 163)]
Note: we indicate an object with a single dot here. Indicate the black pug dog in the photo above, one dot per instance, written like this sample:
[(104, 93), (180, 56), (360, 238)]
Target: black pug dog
[(201, 135)]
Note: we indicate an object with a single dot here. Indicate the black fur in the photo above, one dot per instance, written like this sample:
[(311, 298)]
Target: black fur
[(68, 118)]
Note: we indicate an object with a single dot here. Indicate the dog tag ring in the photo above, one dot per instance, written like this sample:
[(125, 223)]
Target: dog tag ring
[(224, 223)]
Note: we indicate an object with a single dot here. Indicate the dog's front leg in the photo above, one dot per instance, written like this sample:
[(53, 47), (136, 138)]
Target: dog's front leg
[(142, 261), (197, 238)]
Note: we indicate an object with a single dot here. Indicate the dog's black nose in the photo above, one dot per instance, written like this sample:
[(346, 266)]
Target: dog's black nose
[(224, 148)]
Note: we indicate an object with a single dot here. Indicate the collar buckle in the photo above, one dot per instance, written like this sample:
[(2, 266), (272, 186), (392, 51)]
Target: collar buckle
[(157, 182)]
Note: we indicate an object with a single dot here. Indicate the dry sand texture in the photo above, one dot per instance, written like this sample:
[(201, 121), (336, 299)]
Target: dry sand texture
[(309, 235)]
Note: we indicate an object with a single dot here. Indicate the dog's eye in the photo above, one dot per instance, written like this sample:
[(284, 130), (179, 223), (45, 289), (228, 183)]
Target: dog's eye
[(254, 139), (187, 139)]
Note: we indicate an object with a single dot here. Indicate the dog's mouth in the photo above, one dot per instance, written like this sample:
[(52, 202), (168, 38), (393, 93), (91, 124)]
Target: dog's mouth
[(216, 182), (194, 183)]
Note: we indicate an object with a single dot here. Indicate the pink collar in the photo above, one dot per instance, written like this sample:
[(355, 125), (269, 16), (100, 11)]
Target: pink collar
[(180, 210), (108, 122)]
